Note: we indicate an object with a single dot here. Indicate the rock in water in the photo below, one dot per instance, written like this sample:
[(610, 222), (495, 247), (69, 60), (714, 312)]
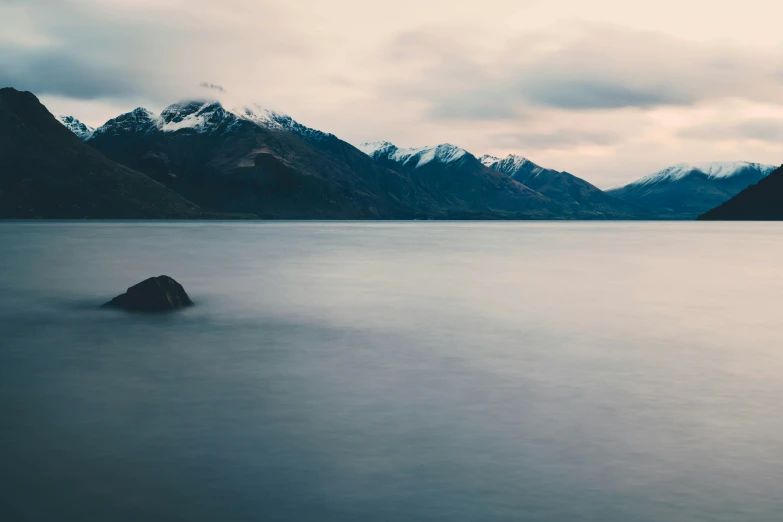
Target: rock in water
[(156, 294)]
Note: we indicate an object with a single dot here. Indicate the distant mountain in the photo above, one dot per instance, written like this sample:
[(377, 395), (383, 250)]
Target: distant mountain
[(564, 187), (48, 172), (452, 174), (570, 196), (83, 131), (760, 202), (686, 191)]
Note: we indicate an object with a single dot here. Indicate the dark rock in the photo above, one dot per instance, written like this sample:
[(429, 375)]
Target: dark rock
[(156, 294)]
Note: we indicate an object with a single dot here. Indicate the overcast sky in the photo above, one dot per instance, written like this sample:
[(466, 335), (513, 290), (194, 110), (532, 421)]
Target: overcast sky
[(606, 89)]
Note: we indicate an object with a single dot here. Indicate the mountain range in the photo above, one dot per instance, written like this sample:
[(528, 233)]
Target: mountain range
[(252, 160), (203, 158), (450, 169)]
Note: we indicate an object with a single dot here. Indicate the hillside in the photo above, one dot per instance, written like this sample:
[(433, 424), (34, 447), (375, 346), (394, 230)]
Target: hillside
[(48, 172), (760, 202)]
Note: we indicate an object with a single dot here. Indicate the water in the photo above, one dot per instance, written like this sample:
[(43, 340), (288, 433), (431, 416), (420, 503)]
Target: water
[(394, 371)]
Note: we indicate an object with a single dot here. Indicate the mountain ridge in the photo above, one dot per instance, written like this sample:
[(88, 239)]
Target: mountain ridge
[(77, 127), (263, 157), (237, 143), (687, 190)]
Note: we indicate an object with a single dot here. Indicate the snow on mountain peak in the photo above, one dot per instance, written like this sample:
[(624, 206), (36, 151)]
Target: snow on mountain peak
[(509, 164), (415, 157), (207, 117), (377, 148), (80, 129), (444, 153), (726, 169), (712, 170), (488, 159), (139, 120)]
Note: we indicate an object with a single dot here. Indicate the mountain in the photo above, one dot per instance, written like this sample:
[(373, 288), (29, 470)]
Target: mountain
[(686, 191), (83, 131), (564, 188), (413, 158), (249, 159), (48, 172), (760, 202), (459, 179)]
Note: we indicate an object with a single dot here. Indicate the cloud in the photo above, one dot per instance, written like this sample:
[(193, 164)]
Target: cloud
[(585, 94), (60, 73), (121, 49), (598, 68), (212, 86), (759, 129), (565, 138)]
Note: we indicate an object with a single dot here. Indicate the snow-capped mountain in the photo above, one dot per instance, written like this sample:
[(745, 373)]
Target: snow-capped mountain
[(687, 190), (413, 157), (80, 129), (513, 165), (561, 186), (458, 179), (204, 117), (252, 160), (138, 121), (447, 164), (249, 159), (714, 171)]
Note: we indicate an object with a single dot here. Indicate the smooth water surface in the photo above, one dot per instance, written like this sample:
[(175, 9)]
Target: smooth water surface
[(550, 372)]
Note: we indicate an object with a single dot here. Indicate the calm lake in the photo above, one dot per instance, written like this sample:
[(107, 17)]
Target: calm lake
[(470, 371)]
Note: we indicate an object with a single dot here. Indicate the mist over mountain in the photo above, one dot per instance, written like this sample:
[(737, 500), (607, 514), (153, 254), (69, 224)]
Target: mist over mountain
[(686, 191)]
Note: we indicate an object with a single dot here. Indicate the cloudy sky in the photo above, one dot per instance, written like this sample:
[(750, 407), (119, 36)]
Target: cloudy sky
[(606, 89)]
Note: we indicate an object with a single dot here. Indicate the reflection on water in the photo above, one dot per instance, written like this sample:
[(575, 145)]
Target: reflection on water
[(605, 372)]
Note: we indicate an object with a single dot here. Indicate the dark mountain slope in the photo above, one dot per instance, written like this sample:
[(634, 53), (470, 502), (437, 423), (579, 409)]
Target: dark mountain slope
[(760, 202), (48, 172)]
